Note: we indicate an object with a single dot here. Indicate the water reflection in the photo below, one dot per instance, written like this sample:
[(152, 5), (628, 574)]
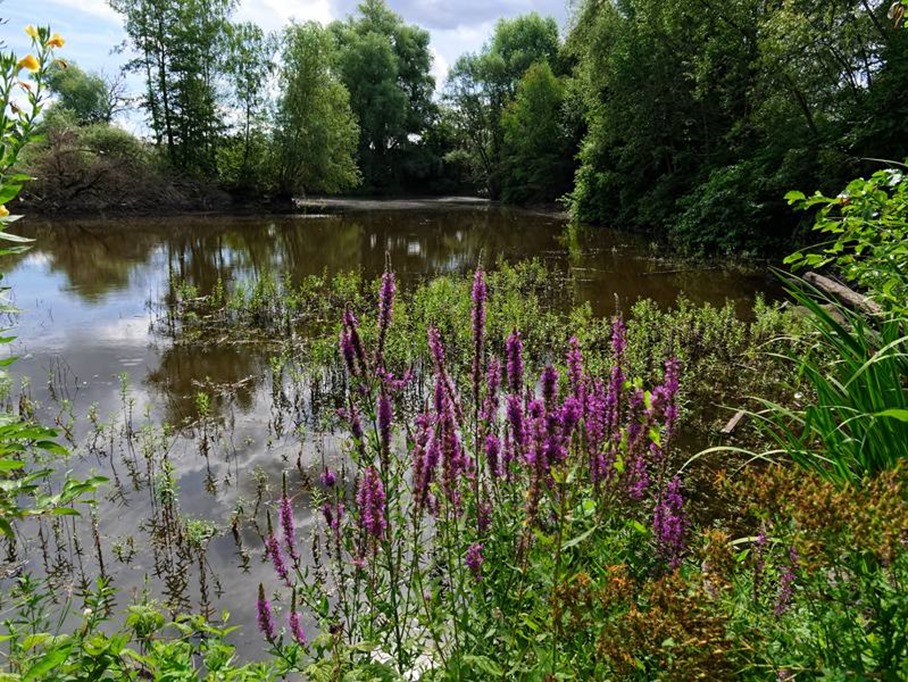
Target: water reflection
[(89, 290)]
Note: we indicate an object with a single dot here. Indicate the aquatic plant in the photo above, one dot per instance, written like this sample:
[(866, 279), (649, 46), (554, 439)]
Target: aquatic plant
[(464, 514)]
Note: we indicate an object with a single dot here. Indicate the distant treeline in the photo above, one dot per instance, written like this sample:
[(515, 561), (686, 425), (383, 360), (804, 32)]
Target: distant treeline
[(686, 120)]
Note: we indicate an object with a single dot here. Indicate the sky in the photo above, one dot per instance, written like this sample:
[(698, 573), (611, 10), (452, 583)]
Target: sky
[(92, 29)]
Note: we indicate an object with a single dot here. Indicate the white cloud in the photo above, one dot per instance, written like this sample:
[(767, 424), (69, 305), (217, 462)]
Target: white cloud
[(96, 8), (272, 15), (440, 67)]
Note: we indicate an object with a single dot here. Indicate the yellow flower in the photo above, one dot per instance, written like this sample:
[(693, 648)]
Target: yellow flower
[(56, 40), (31, 31), (4, 211), (28, 62)]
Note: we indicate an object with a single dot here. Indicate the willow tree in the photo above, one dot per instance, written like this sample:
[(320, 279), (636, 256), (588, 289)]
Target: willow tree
[(385, 65), (315, 133)]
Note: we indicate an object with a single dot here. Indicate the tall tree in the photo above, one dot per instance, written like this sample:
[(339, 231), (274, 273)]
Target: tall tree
[(88, 97), (537, 155), (701, 115), (385, 65), (248, 66), (480, 86), (315, 130), (180, 45)]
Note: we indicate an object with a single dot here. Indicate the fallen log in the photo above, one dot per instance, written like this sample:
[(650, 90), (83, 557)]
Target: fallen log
[(852, 299)]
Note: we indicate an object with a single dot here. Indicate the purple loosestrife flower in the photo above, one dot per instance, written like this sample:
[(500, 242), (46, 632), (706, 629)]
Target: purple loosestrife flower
[(786, 582), (637, 478), (285, 515), (514, 353), (493, 452), (575, 369), (553, 445), (479, 326), (296, 628), (333, 515), (421, 477), (447, 386), (351, 326), (370, 500), (394, 384), (474, 560), (347, 351), (670, 524), (385, 311), (329, 478), (265, 616), (385, 415), (571, 411), (276, 554), (549, 386), (665, 397), (594, 412)]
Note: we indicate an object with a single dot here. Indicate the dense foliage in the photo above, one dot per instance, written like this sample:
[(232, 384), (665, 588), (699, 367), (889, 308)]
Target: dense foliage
[(689, 122)]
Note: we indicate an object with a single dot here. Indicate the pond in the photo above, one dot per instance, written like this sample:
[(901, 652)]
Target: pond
[(126, 398)]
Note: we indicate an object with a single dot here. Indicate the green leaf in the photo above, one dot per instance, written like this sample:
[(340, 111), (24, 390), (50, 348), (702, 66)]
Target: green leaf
[(580, 538), (19, 239), (65, 511), (483, 664), (894, 413), (48, 662), (9, 192)]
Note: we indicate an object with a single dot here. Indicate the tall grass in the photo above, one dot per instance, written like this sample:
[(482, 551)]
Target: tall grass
[(849, 412)]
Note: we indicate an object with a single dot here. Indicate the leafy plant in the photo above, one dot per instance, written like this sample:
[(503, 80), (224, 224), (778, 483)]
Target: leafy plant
[(850, 416), (867, 230)]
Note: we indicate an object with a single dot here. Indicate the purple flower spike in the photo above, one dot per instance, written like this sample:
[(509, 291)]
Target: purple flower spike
[(351, 326), (437, 349), (275, 553), (385, 310), (288, 530), (296, 628), (329, 478), (370, 498), (493, 455), (265, 616), (670, 524), (515, 419), (347, 351), (514, 353), (479, 324), (474, 560), (575, 369), (384, 420)]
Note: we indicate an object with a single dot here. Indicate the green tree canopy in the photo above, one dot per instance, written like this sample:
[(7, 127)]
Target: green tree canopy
[(315, 129), (480, 86), (385, 65), (537, 150), (87, 97)]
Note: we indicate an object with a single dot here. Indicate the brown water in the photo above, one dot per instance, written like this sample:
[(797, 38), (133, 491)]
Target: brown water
[(90, 360)]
